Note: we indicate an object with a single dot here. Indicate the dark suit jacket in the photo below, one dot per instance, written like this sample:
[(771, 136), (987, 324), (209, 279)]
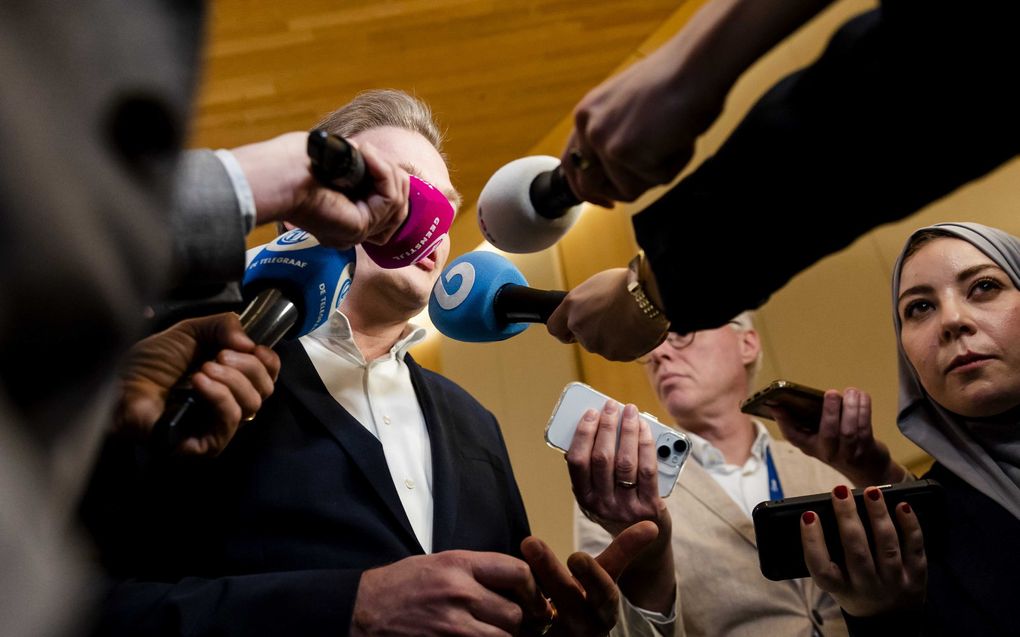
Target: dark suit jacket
[(272, 537)]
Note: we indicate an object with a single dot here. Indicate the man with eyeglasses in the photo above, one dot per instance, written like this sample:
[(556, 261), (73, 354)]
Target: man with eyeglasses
[(700, 379)]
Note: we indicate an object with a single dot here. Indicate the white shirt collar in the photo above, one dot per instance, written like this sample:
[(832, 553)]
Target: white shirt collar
[(708, 456), (337, 336)]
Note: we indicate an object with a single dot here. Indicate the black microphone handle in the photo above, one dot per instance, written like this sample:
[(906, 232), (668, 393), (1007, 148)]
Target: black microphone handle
[(337, 164), (521, 304), (266, 320), (551, 194)]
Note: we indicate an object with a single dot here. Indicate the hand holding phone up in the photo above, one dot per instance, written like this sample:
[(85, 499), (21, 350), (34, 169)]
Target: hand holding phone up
[(843, 438)]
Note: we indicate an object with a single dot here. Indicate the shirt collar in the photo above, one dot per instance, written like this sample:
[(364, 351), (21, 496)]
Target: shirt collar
[(709, 456), (337, 336)]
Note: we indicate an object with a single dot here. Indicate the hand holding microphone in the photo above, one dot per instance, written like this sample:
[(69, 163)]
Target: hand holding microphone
[(338, 164), (344, 195), (235, 378), (603, 316), (292, 287), (481, 297)]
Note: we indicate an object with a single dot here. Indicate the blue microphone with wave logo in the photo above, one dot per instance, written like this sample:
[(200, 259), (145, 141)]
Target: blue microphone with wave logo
[(292, 286), (481, 297)]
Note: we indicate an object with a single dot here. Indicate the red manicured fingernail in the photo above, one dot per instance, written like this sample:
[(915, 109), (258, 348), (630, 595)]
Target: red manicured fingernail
[(906, 507), (808, 517), (842, 492), (874, 494)]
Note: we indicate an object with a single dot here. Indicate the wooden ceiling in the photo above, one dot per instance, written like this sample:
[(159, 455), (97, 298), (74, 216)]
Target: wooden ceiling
[(499, 74)]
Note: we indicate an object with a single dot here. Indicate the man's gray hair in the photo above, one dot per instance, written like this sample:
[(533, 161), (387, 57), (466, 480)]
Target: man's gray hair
[(744, 322), (387, 107), (384, 107)]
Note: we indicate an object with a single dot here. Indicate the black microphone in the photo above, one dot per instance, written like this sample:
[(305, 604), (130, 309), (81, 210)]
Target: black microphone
[(522, 304), (337, 164), (551, 194)]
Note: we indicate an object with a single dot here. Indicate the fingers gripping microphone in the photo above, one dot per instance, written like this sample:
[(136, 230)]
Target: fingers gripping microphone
[(482, 297), (527, 205), (338, 165), (292, 285)]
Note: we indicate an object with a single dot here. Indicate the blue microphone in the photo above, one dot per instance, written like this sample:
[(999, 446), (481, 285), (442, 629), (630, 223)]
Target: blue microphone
[(481, 297), (293, 283), (292, 286)]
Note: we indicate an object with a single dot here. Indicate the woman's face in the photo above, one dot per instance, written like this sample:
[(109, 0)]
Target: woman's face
[(960, 327)]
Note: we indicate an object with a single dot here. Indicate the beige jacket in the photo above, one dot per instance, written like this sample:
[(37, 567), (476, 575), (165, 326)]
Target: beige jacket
[(721, 591)]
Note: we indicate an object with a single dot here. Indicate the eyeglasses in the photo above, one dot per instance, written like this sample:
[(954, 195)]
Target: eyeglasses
[(679, 341), (674, 340)]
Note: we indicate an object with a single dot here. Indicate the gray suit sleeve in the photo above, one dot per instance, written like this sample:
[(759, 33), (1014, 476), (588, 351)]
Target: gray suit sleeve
[(208, 229)]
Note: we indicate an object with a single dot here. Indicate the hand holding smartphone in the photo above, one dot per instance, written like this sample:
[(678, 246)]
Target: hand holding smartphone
[(777, 524), (672, 447), (801, 402)]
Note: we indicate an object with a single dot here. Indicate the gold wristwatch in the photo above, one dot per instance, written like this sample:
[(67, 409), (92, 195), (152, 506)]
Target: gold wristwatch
[(636, 288)]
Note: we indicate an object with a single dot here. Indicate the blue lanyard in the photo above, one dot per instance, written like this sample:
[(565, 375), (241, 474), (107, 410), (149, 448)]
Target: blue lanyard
[(775, 488)]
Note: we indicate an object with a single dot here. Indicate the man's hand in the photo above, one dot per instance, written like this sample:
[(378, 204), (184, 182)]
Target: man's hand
[(843, 439), (448, 593), (603, 317), (615, 481), (584, 592), (280, 175), (638, 128), (235, 378)]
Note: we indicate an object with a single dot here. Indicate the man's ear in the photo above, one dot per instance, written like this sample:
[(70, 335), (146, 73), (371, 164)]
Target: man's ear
[(750, 347)]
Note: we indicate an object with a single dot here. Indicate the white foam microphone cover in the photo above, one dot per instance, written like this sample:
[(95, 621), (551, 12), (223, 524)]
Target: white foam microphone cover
[(507, 217)]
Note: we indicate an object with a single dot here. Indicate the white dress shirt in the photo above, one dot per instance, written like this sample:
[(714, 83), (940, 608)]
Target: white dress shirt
[(747, 484), (380, 396)]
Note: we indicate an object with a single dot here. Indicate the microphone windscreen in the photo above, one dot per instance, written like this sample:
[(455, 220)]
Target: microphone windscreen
[(429, 216), (506, 214), (313, 277), (462, 301)]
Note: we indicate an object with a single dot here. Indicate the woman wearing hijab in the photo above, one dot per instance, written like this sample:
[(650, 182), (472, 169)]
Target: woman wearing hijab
[(956, 299)]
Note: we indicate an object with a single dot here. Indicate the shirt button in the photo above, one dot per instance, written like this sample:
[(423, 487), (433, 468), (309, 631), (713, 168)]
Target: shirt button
[(409, 483), (386, 419)]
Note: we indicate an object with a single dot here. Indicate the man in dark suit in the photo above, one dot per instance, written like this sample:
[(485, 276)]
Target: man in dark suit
[(369, 494)]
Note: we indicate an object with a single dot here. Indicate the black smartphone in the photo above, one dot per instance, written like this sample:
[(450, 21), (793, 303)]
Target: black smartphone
[(804, 403), (777, 524)]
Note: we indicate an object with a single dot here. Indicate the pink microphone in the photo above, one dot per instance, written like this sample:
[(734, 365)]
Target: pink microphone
[(337, 164), (429, 215)]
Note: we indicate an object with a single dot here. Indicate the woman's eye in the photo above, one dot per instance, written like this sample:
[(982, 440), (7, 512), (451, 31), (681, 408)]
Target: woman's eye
[(983, 286), (915, 308)]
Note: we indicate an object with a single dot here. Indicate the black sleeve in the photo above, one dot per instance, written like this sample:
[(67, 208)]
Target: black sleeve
[(905, 623), (285, 603), (907, 103), (159, 544)]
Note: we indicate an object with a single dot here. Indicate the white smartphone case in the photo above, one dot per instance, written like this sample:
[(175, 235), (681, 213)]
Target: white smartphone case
[(672, 447)]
